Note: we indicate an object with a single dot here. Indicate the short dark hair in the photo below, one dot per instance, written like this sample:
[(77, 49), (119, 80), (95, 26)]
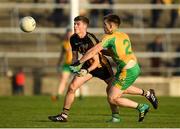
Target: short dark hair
[(82, 18), (113, 18)]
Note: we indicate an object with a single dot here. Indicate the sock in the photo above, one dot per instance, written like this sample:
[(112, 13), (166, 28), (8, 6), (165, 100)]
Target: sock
[(65, 111), (139, 106), (145, 93), (115, 115)]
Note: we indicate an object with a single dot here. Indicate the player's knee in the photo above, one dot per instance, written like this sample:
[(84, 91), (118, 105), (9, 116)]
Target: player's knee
[(112, 99), (72, 88)]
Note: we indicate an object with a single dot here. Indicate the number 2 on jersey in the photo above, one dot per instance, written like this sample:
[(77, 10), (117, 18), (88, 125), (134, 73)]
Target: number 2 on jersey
[(128, 46)]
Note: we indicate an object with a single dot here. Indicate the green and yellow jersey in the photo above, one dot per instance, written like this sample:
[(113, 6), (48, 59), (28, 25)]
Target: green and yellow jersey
[(120, 45), (121, 52), (66, 57), (68, 52)]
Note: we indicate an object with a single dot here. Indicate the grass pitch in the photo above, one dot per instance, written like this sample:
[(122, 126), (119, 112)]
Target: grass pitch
[(91, 112)]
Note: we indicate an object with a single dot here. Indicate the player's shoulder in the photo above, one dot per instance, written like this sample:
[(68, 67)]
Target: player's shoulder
[(74, 36), (91, 35), (108, 36), (66, 42), (88, 33), (123, 34)]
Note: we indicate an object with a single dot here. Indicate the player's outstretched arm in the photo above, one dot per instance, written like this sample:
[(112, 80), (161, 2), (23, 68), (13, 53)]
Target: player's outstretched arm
[(91, 53), (93, 66), (95, 63)]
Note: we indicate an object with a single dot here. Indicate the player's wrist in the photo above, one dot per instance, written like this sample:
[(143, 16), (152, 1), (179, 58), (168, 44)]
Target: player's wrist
[(88, 70)]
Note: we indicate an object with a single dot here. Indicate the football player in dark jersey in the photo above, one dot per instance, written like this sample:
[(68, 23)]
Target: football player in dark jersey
[(99, 66)]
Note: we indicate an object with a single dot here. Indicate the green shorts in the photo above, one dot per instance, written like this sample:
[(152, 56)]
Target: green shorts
[(126, 77), (64, 68)]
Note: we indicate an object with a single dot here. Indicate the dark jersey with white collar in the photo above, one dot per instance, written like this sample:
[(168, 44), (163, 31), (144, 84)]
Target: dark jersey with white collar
[(82, 45)]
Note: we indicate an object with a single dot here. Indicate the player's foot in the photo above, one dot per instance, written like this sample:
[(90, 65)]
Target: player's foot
[(115, 119), (143, 109), (58, 118), (152, 98)]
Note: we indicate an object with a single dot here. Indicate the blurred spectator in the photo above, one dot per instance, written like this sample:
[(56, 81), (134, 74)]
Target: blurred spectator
[(13, 84), (58, 16), (12, 76), (63, 64), (173, 14), (20, 81), (155, 13), (177, 63), (64, 61), (94, 13), (156, 46)]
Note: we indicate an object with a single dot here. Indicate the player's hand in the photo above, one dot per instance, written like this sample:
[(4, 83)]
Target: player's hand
[(75, 67), (82, 72)]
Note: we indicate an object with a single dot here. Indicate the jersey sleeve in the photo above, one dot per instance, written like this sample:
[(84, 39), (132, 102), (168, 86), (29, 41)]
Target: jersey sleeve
[(67, 45), (68, 53), (107, 41)]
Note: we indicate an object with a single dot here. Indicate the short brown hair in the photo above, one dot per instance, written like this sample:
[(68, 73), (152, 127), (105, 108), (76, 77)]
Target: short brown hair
[(82, 18), (113, 18)]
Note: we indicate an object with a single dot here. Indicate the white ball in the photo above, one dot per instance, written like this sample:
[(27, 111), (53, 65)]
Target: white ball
[(27, 24)]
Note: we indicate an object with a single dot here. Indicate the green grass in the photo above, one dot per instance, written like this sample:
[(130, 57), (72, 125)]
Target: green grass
[(32, 111)]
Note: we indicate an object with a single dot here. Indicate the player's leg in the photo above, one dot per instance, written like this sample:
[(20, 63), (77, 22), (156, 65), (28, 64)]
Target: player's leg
[(115, 97), (76, 83), (133, 90), (63, 81), (69, 98), (123, 81), (64, 78), (149, 94), (114, 108), (105, 73)]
